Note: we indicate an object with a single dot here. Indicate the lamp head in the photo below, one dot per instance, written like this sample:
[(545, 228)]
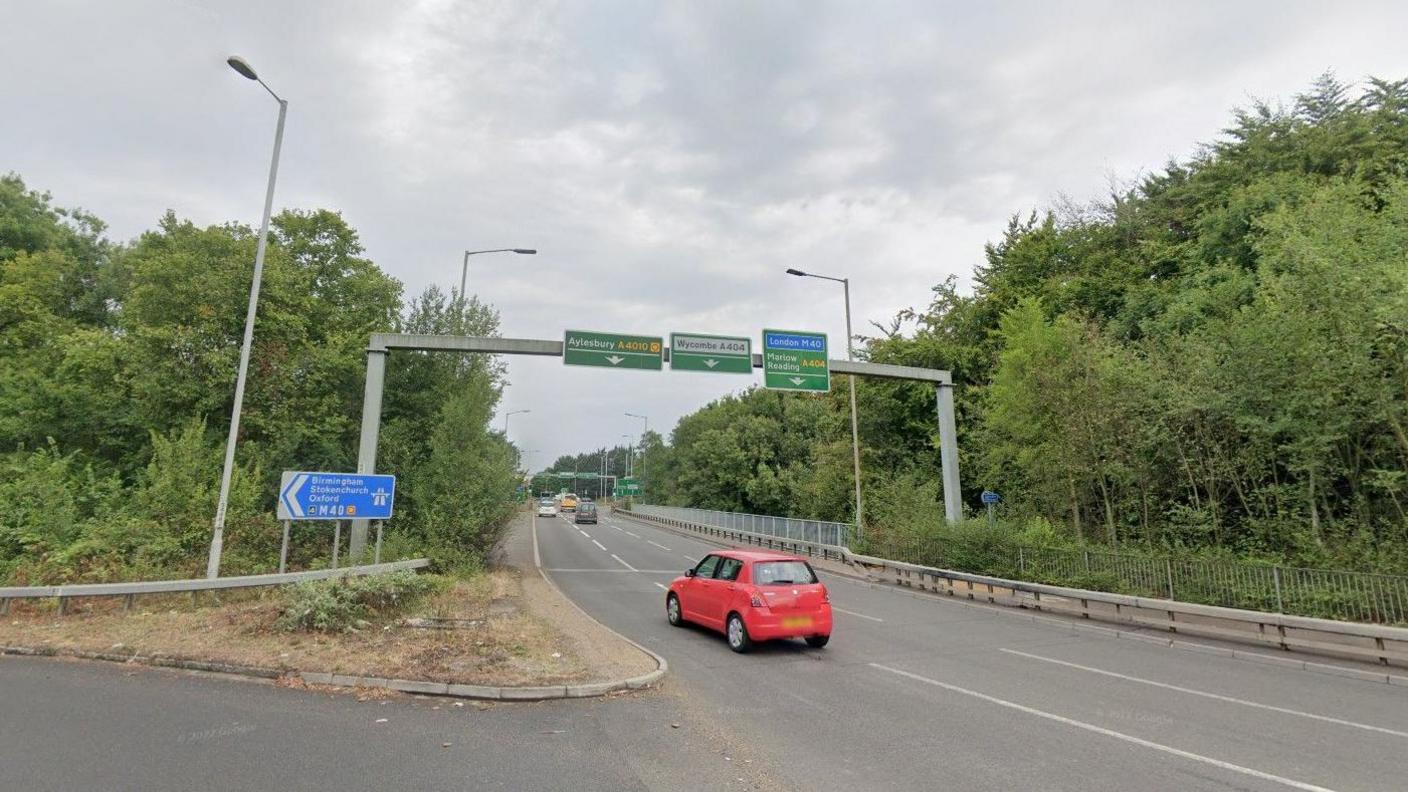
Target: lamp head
[(242, 66)]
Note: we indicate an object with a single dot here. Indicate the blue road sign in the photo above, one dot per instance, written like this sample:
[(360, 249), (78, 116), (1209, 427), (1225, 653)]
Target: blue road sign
[(990, 497), (335, 496)]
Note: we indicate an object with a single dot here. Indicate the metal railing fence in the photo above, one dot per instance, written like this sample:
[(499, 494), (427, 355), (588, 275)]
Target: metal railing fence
[(1323, 593), (818, 531)]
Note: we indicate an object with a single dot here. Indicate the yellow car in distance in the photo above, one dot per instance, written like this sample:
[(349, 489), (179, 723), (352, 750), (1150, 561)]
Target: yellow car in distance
[(569, 502)]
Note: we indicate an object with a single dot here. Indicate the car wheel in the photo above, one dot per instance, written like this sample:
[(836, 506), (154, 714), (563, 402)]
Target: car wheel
[(738, 639), (817, 641), (672, 611)]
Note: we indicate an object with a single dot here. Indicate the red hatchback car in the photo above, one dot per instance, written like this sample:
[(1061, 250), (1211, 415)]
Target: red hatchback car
[(752, 596)]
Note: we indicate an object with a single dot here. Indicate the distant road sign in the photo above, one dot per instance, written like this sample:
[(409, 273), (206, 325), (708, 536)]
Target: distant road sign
[(795, 360), (990, 497), (613, 350), (305, 495), (628, 486), (719, 354)]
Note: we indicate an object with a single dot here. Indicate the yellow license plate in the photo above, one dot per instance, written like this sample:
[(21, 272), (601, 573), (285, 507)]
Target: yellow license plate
[(795, 622)]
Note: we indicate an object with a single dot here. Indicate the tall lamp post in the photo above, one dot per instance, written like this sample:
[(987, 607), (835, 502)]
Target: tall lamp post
[(217, 540), (464, 271), (850, 355), (630, 455), (643, 433), (508, 415)]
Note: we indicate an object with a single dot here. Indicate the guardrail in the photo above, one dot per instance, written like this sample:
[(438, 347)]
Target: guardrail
[(1374, 642), (818, 531), (1298, 591), (64, 593)]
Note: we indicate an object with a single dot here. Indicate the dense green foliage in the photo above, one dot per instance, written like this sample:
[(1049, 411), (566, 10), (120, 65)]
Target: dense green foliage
[(117, 369), (1216, 357), (345, 604)]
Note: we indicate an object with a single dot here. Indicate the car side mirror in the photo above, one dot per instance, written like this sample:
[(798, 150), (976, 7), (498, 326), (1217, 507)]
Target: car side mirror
[(689, 572)]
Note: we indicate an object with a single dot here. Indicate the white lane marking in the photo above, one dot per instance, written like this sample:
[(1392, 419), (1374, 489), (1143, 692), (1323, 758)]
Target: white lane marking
[(584, 533), (622, 562), (1206, 694), (599, 544), (1129, 738), (663, 586), (689, 557), (628, 533), (617, 527), (657, 544), (861, 615), (617, 571)]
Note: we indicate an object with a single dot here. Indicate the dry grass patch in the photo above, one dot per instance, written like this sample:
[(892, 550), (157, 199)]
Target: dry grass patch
[(494, 643)]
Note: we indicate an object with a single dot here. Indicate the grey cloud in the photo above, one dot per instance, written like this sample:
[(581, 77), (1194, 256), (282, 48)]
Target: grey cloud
[(668, 159)]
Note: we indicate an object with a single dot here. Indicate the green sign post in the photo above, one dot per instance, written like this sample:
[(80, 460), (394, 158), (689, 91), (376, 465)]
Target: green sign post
[(795, 360), (697, 352), (613, 350)]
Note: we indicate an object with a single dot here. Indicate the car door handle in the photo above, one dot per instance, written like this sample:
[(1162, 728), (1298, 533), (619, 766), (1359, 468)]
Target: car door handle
[(732, 587)]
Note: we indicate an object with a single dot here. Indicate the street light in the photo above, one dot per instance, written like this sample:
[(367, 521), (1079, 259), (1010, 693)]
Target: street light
[(506, 417), (643, 433), (850, 355), (464, 271), (630, 455), (217, 540)]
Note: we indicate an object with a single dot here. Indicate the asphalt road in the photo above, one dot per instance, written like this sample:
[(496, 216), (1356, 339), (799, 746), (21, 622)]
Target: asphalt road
[(919, 694), (73, 725), (910, 694)]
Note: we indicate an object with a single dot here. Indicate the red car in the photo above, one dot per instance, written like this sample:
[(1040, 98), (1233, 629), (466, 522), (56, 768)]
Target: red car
[(752, 596)]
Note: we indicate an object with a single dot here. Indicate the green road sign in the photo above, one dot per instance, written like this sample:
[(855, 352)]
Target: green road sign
[(628, 486), (795, 360), (612, 350), (696, 352)]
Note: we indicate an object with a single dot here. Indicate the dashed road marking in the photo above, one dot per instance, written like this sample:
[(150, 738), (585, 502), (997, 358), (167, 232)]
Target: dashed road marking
[(599, 544), (1206, 694), (657, 544), (622, 562), (853, 613), (1090, 727)]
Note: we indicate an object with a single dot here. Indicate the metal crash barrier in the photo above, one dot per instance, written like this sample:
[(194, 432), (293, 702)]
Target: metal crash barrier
[(1372, 642), (130, 590)]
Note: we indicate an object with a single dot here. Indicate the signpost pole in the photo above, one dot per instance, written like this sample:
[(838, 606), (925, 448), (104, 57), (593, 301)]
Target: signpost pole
[(377, 558), (371, 427), (336, 541), (283, 550), (948, 452)]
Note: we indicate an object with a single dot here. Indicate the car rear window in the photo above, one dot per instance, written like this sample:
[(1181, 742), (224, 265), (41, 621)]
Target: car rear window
[(587, 508), (782, 573)]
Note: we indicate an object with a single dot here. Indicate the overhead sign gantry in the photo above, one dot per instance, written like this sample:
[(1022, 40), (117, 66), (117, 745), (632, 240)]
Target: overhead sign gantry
[(381, 345)]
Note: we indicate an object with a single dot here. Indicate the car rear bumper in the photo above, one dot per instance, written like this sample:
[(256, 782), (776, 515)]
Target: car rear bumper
[(765, 625)]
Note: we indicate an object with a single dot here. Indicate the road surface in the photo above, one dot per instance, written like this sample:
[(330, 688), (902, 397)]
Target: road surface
[(910, 694), (918, 694)]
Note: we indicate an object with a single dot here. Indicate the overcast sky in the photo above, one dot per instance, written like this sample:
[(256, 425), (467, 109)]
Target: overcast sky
[(668, 159)]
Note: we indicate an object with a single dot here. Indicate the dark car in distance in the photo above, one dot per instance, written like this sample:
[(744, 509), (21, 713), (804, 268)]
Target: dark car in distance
[(586, 513)]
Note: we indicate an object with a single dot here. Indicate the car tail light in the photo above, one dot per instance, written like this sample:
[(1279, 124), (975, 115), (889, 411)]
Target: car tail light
[(755, 599)]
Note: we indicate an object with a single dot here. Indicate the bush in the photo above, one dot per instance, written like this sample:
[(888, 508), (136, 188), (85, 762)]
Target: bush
[(343, 605)]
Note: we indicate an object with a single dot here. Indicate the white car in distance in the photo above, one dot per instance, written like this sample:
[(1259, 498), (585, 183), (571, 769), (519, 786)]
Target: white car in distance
[(547, 507)]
